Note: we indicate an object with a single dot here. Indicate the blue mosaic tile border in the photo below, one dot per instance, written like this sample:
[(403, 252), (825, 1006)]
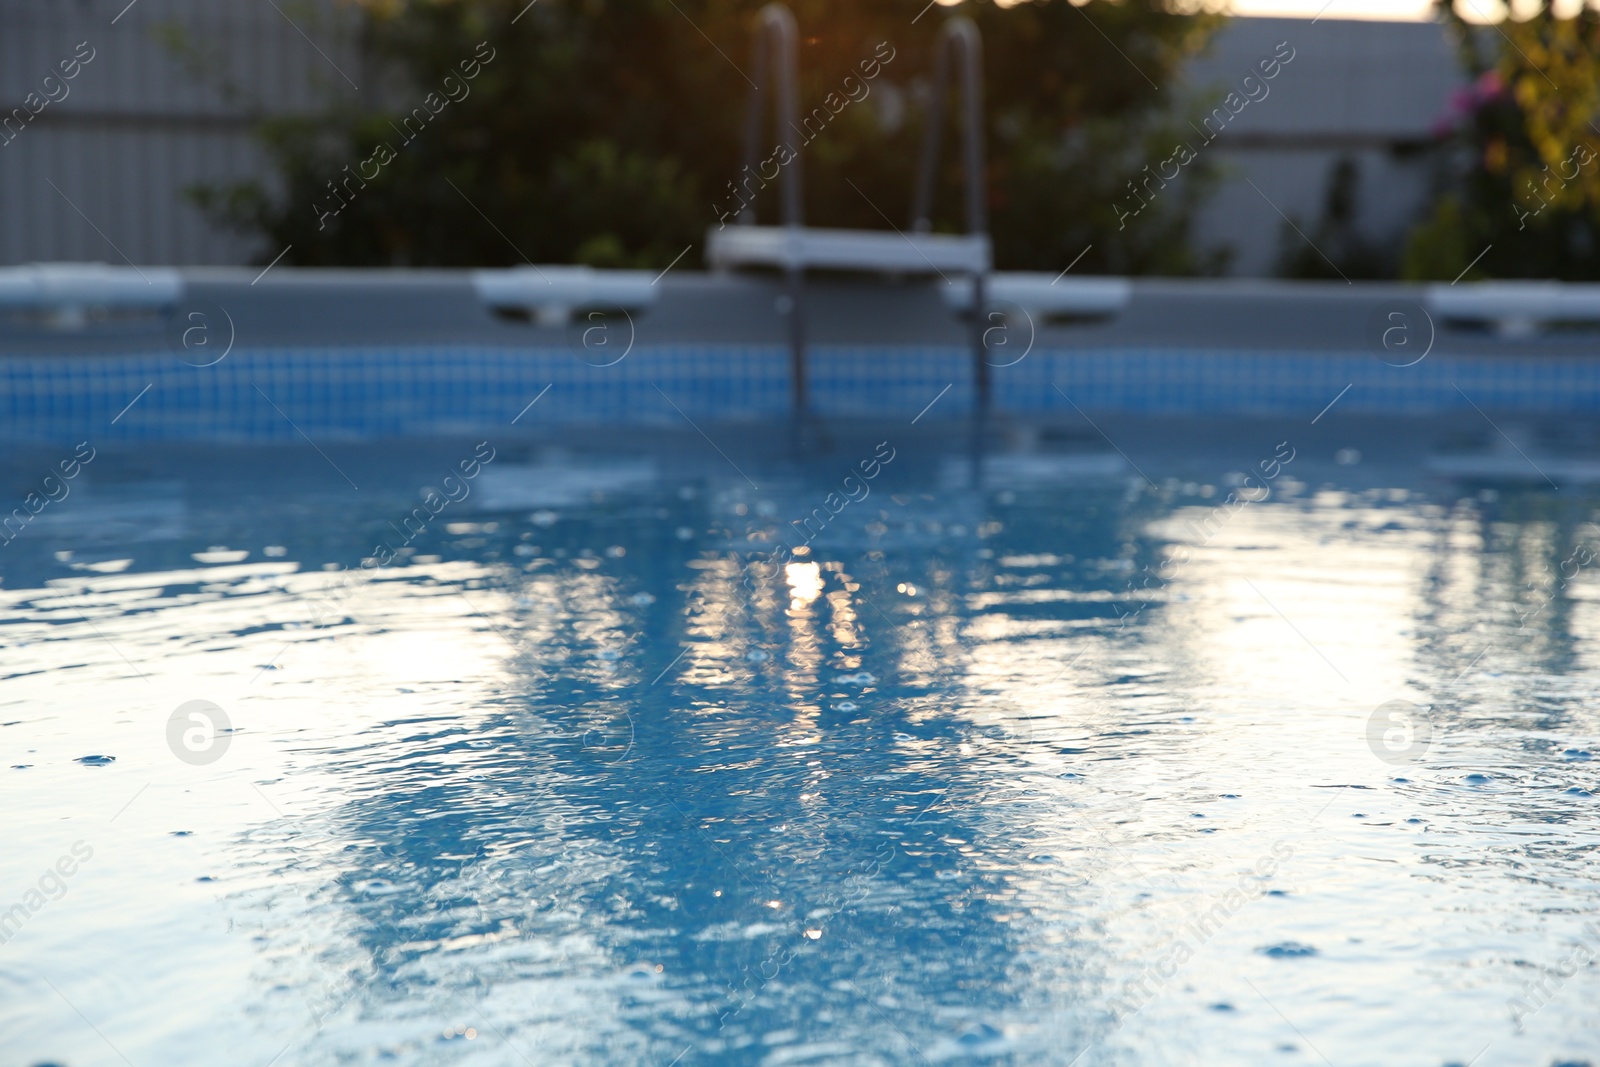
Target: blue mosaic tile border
[(1296, 383), (344, 393)]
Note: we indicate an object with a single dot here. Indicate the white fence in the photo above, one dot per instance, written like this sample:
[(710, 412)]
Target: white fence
[(95, 166)]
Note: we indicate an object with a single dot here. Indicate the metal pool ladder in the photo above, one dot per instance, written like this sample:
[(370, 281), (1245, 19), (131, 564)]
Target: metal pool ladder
[(794, 247)]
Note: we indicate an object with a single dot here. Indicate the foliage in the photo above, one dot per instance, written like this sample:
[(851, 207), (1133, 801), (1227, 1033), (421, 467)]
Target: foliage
[(1523, 154), (605, 131)]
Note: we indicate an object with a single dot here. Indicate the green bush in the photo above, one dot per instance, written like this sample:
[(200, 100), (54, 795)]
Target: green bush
[(1522, 156), (605, 131)]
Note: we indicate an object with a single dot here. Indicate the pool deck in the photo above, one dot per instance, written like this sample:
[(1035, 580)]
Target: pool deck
[(295, 306)]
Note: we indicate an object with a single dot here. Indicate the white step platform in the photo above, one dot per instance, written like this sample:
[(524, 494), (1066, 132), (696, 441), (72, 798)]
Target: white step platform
[(65, 292), (552, 294), (1046, 296), (799, 248), (1517, 309)]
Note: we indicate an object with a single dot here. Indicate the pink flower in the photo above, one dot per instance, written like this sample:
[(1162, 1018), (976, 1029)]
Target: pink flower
[(1458, 105), (1464, 100)]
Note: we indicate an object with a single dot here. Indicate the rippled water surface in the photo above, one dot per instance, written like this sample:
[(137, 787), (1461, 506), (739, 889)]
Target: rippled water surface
[(1035, 757)]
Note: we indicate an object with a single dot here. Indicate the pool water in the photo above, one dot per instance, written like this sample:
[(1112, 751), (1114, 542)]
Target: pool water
[(1058, 752)]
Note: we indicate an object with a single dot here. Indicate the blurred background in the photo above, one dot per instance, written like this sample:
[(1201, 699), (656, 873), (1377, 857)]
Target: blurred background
[(1361, 138)]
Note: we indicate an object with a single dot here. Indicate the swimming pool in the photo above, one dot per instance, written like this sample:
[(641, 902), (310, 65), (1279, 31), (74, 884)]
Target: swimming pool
[(619, 724)]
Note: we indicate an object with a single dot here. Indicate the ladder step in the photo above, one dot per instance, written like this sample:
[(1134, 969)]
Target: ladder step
[(801, 247), (1046, 295), (553, 293)]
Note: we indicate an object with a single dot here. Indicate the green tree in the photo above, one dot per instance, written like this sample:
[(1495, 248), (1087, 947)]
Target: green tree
[(607, 132), (1521, 155)]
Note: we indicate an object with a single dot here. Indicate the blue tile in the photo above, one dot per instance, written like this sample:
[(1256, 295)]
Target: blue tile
[(365, 393)]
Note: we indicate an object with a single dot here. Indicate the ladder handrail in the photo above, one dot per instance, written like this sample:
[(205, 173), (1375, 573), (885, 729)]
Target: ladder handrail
[(960, 36), (777, 52), (776, 63), (777, 46)]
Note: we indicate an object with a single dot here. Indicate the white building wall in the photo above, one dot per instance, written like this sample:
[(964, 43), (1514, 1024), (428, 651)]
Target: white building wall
[(137, 126), (1353, 88)]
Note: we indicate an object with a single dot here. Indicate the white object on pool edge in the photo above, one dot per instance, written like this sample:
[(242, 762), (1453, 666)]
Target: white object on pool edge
[(551, 294), (1517, 309), (70, 289), (798, 246), (1043, 295)]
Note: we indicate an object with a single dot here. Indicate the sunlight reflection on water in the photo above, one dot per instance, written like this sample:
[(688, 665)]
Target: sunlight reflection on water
[(564, 784)]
